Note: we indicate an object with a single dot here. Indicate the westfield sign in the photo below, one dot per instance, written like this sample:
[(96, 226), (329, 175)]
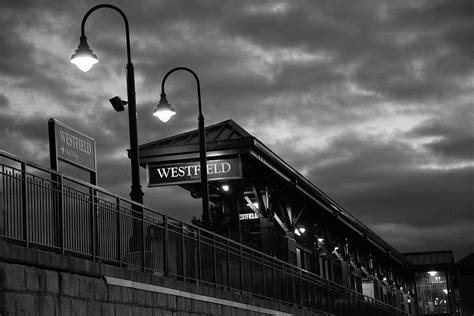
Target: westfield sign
[(181, 172)]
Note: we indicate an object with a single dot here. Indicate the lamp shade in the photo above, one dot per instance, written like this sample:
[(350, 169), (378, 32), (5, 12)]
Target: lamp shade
[(164, 111), (83, 57)]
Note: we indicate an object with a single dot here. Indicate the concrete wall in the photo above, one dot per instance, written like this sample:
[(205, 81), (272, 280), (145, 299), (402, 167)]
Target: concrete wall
[(35, 282)]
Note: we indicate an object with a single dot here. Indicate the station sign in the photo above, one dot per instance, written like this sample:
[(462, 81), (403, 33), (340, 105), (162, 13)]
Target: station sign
[(182, 172), (248, 216), (71, 146)]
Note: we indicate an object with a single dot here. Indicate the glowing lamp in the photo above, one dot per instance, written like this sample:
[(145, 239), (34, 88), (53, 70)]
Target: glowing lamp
[(83, 57), (164, 111)]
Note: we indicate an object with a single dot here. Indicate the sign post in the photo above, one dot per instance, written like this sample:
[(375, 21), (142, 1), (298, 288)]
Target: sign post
[(73, 147)]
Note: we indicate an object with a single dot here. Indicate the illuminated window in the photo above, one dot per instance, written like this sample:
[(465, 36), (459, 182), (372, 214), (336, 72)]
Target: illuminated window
[(432, 292)]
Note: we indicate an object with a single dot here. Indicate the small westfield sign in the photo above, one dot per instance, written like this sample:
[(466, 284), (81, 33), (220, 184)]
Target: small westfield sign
[(161, 174)]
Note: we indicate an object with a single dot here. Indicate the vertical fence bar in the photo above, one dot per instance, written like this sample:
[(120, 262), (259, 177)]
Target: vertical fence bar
[(241, 270), (142, 218), (253, 272), (165, 247), (92, 220), (183, 251), (24, 204), (119, 233), (61, 212), (199, 276), (229, 284), (214, 255)]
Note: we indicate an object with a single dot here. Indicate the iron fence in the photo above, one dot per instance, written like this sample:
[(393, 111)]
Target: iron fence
[(44, 208)]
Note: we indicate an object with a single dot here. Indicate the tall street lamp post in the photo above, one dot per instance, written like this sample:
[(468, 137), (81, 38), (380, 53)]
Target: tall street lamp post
[(164, 111), (84, 58)]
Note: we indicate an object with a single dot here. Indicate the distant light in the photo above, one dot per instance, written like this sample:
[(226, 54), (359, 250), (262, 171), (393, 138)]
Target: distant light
[(445, 291), (320, 240), (336, 248), (409, 300), (384, 279), (432, 273), (297, 232), (225, 187)]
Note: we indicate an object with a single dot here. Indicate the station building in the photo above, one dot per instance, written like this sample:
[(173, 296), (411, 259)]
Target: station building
[(261, 201)]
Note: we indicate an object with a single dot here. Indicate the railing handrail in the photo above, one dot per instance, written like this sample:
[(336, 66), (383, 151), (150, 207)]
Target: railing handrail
[(200, 231)]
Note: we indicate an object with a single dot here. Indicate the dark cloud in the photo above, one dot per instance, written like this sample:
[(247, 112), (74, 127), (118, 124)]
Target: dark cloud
[(370, 100), (4, 101)]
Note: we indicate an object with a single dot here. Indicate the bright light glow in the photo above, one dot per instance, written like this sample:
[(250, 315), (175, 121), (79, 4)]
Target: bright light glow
[(432, 273), (164, 114), (409, 300), (300, 230), (84, 62), (320, 240), (445, 291), (225, 187), (384, 279)]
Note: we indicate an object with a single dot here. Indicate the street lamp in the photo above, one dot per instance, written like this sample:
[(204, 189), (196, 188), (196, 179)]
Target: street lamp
[(164, 111), (84, 58)]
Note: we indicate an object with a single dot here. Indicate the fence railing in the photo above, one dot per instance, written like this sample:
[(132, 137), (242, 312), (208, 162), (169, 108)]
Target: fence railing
[(44, 208)]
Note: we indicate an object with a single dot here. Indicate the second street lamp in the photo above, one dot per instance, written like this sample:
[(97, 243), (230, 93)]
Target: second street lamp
[(84, 58), (164, 111)]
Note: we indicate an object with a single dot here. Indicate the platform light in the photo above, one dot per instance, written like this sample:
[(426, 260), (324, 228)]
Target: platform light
[(432, 273), (300, 230), (225, 187)]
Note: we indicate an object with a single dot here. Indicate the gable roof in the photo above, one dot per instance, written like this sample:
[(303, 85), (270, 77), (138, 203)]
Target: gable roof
[(230, 138), (223, 131)]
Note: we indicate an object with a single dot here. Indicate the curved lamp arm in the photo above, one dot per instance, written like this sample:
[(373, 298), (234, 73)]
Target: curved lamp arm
[(110, 6), (206, 218), (195, 77)]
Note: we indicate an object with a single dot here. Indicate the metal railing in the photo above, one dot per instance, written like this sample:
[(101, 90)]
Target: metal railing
[(47, 209)]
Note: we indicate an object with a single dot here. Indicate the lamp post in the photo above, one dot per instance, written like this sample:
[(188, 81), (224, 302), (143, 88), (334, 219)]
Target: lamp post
[(84, 58), (164, 111)]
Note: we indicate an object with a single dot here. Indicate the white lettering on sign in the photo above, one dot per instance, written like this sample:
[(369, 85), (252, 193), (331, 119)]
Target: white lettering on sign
[(248, 216), (192, 171), (75, 142)]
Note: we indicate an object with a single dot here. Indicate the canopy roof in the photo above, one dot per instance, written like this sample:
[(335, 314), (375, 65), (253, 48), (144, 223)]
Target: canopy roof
[(228, 138)]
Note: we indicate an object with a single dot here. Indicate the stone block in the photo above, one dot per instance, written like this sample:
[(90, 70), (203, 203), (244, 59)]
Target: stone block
[(25, 304), (9, 307), (150, 298), (47, 305), (139, 297), (122, 310), (86, 287), (114, 293), (161, 300), (126, 295), (69, 284), (12, 277), (100, 290), (32, 279), (171, 302), (107, 309), (64, 306), (49, 282), (94, 308), (78, 307)]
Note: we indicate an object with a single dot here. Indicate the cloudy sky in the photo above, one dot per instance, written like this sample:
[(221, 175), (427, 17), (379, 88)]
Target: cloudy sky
[(371, 100)]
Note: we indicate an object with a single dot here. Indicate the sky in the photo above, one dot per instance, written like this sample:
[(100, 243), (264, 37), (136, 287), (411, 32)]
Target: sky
[(372, 101)]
